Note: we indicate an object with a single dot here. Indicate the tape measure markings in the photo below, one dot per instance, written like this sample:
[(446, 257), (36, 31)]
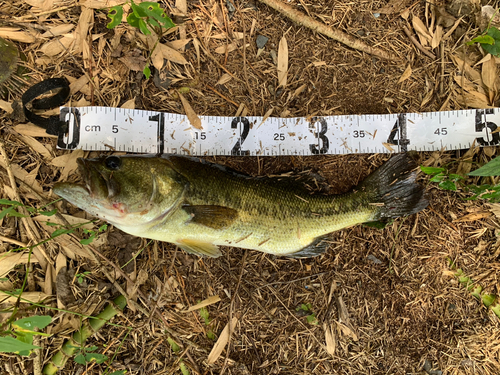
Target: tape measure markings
[(130, 130)]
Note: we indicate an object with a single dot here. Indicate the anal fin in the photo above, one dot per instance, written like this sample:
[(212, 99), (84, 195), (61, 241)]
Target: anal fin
[(317, 247), (200, 248)]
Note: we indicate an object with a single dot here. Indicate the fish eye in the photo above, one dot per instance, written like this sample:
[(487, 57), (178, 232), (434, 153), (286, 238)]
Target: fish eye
[(113, 163)]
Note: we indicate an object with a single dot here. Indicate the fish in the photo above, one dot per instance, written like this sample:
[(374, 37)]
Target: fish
[(200, 206)]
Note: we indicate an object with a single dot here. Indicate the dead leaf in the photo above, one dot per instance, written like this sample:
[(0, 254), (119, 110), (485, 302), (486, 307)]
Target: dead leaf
[(78, 84), (437, 37), (221, 342), (68, 163), (330, 338), (406, 74), (179, 44), (171, 54), (489, 73), (266, 116), (190, 113), (422, 32), (34, 297), (8, 261), (473, 216), (37, 146), (444, 18), (393, 6), (427, 98), (282, 62), (134, 63), (463, 67), (206, 302), (58, 30), (56, 46), (17, 35), (224, 79), (129, 104), (6, 106)]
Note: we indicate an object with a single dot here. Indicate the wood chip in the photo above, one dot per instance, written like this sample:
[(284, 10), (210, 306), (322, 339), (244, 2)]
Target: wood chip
[(190, 113), (221, 342), (282, 65)]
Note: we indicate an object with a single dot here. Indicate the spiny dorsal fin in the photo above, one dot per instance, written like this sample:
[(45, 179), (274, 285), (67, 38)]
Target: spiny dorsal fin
[(200, 248), (216, 217)]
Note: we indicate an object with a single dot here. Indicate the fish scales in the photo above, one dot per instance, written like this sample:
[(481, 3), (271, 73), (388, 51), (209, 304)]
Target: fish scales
[(200, 206)]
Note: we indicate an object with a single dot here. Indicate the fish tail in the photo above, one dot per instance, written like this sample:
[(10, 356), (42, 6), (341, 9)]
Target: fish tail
[(394, 190)]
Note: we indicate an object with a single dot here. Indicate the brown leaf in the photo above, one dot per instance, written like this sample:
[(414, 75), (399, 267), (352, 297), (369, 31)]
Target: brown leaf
[(282, 62), (17, 35), (172, 55), (489, 73), (206, 302), (190, 113), (58, 30), (406, 74), (8, 261), (437, 37), (68, 163), (474, 216), (423, 33), (221, 342)]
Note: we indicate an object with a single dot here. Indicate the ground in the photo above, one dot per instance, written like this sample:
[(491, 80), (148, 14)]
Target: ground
[(384, 301)]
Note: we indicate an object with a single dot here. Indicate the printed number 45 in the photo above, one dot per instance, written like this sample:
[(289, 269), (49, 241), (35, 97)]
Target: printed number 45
[(441, 131)]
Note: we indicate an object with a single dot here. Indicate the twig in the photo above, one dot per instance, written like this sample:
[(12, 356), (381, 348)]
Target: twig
[(13, 241), (222, 96), (417, 43), (304, 20)]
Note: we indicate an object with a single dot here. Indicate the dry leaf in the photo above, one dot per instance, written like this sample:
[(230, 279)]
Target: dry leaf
[(34, 297), (226, 48), (437, 37), (406, 74), (58, 30), (463, 67), (37, 146), (282, 62), (221, 342), (157, 59), (423, 33), (172, 55), (330, 338), (16, 35), (68, 163), (129, 104), (8, 261), (56, 46), (474, 216), (427, 98), (190, 113), (489, 73), (78, 84), (266, 116), (206, 302), (32, 131), (224, 79), (179, 44), (6, 106)]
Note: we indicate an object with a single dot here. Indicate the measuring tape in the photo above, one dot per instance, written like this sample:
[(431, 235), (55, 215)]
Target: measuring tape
[(139, 131)]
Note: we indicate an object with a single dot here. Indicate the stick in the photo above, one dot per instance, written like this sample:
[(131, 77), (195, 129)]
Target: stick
[(321, 28), (417, 43)]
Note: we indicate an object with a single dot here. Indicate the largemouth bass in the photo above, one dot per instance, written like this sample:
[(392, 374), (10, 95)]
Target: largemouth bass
[(200, 206)]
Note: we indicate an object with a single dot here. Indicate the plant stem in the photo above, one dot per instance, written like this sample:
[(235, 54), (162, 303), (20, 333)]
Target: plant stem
[(91, 326)]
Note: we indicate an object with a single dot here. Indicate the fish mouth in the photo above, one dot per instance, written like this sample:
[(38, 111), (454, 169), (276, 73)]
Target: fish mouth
[(94, 181)]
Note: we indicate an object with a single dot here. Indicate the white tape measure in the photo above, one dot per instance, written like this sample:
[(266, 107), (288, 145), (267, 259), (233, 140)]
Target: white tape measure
[(139, 131)]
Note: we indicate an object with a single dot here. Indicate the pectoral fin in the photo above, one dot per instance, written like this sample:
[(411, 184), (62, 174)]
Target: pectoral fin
[(317, 247), (200, 248), (216, 217)]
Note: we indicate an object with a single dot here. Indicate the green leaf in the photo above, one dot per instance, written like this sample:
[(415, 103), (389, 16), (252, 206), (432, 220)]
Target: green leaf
[(438, 178), (116, 14), (39, 321), (488, 299), (5, 212), (483, 39), (48, 213), (9, 344), (379, 224), (91, 348), (432, 170), (311, 319), (147, 71), (103, 227), (184, 369), (10, 203), (456, 177), (80, 358), (204, 314), (50, 224), (490, 169), (211, 335), (143, 27), (176, 348), (97, 357), (61, 231), (88, 241), (494, 48), (119, 372), (138, 10), (448, 185), (133, 20)]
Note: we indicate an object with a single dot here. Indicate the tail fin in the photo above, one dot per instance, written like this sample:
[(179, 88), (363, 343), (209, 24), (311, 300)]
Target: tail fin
[(393, 186)]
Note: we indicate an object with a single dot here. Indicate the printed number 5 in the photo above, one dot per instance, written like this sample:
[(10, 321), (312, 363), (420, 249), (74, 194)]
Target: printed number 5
[(115, 129)]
